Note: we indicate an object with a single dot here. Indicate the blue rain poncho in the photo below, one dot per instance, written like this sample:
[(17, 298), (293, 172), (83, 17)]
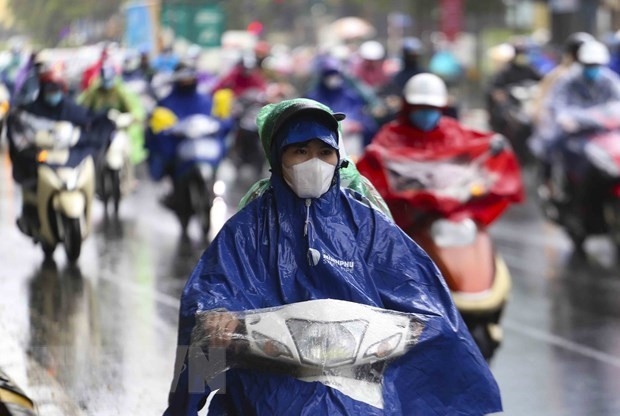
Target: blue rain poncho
[(259, 259)]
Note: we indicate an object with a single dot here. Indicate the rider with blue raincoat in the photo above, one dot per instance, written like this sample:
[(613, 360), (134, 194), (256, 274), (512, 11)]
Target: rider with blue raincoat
[(288, 245), (338, 91), (183, 101)]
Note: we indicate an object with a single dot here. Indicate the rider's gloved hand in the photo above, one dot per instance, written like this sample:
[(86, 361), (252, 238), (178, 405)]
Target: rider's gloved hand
[(122, 120)]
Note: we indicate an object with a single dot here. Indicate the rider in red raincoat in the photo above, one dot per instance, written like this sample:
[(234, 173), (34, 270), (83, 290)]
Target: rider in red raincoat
[(422, 134), (244, 76)]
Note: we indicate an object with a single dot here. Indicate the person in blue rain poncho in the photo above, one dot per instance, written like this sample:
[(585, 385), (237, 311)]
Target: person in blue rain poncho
[(183, 101), (260, 259), (342, 93)]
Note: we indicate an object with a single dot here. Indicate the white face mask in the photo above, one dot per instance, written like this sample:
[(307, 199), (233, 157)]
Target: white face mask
[(309, 179), (333, 81)]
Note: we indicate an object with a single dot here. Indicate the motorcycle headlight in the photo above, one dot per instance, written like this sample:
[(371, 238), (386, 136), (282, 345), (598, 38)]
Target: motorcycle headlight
[(271, 347), (447, 233), (327, 344), (601, 159), (383, 348)]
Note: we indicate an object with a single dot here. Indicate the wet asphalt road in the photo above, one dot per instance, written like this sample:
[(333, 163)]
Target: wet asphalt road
[(99, 339)]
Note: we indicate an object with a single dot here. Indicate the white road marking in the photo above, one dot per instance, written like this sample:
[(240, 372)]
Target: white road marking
[(560, 342)]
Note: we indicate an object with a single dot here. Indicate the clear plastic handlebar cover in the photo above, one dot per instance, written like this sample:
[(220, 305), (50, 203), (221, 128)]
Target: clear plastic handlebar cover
[(342, 344)]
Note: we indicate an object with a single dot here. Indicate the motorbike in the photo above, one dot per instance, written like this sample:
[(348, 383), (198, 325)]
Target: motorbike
[(442, 205), (514, 117), (581, 189), (247, 149), (114, 167), (341, 344), (198, 155), (58, 205)]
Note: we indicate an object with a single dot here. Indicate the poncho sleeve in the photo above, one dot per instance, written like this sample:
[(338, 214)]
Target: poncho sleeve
[(445, 372)]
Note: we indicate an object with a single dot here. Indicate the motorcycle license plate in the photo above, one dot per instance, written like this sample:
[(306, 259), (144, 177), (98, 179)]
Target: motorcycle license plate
[(203, 149)]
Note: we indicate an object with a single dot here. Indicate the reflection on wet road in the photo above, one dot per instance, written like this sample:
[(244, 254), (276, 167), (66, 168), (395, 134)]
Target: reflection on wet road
[(100, 338)]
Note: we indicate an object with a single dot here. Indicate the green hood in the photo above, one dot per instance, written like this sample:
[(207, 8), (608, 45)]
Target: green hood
[(272, 116)]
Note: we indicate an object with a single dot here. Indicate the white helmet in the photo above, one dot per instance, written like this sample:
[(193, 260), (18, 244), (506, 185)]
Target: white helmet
[(593, 53), (426, 89), (372, 51)]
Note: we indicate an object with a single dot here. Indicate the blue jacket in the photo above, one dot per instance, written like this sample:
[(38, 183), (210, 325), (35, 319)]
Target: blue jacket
[(348, 100), (259, 259)]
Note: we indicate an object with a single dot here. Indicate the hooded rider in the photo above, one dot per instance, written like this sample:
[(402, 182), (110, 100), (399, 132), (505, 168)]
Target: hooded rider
[(288, 246), (336, 90), (571, 46), (183, 101), (108, 92), (53, 104), (371, 70), (244, 76), (587, 84), (411, 62)]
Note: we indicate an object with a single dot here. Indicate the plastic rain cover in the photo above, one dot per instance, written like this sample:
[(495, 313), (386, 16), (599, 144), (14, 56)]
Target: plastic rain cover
[(449, 171), (340, 344)]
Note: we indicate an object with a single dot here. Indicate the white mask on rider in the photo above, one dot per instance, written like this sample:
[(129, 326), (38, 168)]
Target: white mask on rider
[(333, 81), (309, 179)]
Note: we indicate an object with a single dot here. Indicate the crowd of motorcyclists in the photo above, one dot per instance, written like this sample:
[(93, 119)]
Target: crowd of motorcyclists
[(370, 157)]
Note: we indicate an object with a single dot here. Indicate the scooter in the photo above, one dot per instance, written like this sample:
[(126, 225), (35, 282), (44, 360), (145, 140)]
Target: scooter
[(114, 169), (341, 344), (440, 195), (247, 150), (197, 157), (581, 191), (514, 118), (57, 208)]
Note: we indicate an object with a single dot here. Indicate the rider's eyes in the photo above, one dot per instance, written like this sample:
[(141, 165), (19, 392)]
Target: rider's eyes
[(300, 151)]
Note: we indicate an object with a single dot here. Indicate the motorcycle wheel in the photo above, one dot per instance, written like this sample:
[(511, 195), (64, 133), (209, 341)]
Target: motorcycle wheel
[(486, 342), (72, 238), (611, 212), (48, 250), (115, 178), (201, 205)]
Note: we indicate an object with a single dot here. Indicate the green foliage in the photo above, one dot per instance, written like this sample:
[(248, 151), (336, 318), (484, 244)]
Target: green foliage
[(43, 20)]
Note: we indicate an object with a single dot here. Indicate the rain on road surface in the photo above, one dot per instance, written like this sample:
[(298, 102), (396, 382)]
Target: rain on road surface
[(99, 338)]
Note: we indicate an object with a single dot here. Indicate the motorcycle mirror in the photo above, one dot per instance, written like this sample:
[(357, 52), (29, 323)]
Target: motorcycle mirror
[(497, 145)]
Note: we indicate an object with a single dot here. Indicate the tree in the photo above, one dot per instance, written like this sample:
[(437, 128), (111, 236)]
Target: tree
[(45, 20)]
